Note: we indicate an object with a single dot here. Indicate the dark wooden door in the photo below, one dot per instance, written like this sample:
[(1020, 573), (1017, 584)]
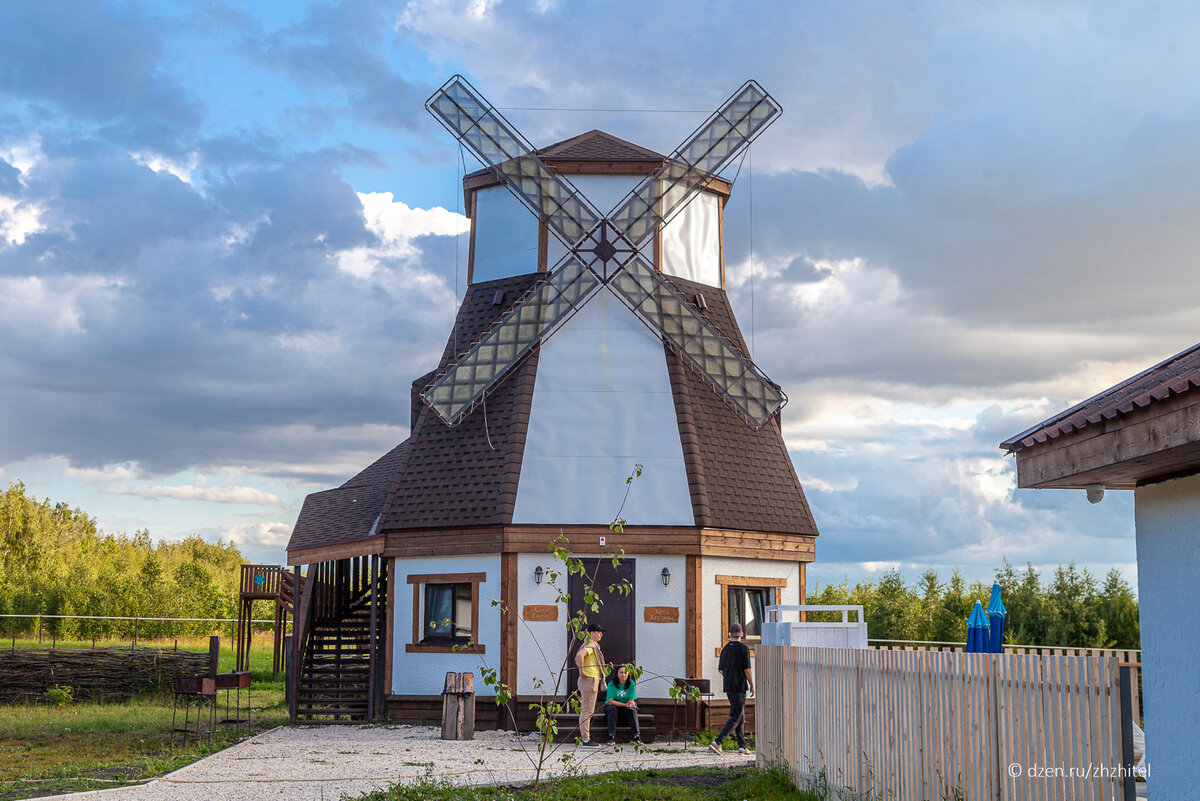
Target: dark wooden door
[(616, 613)]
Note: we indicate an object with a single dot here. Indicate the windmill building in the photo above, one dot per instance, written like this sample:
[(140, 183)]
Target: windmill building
[(585, 346)]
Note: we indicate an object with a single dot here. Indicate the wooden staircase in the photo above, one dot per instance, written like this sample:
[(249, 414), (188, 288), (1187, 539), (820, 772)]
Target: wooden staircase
[(335, 678), (339, 671)]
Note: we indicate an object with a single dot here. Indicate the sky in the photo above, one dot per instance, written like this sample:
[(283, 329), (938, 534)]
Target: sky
[(231, 236)]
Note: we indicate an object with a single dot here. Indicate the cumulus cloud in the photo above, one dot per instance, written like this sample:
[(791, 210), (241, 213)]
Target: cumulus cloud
[(243, 495), (225, 243)]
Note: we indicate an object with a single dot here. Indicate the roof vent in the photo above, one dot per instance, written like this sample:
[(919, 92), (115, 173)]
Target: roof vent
[(498, 298), (700, 302)]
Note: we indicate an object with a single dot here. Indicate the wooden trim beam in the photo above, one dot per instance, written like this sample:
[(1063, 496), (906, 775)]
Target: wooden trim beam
[(693, 628), (649, 540), (543, 246), (332, 553), (751, 581), (508, 628), (1158, 440), (446, 578), (429, 648), (389, 639)]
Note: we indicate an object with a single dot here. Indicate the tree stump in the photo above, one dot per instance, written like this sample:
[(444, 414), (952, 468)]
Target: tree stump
[(458, 707)]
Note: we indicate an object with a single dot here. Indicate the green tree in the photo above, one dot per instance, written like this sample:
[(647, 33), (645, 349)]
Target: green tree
[(1118, 608)]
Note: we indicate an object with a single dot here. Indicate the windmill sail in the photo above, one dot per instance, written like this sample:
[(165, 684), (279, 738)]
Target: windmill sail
[(596, 259)]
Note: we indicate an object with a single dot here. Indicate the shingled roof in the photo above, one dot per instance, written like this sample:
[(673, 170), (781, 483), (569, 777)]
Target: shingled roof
[(1174, 376), (467, 475), (348, 513), (596, 145), (740, 479)]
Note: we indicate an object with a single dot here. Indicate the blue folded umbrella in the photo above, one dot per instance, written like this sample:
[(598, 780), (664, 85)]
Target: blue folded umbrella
[(977, 630), (996, 614)]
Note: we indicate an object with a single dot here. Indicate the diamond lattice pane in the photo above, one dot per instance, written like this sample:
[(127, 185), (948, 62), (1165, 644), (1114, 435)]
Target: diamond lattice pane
[(709, 150), (494, 142), (734, 377), (544, 307)]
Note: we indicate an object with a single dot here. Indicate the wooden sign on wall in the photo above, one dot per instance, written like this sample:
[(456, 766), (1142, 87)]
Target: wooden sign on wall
[(540, 612), (661, 614)]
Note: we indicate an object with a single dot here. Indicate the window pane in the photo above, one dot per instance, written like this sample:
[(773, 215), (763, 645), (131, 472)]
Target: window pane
[(737, 606), (754, 612), (439, 610), (462, 610)]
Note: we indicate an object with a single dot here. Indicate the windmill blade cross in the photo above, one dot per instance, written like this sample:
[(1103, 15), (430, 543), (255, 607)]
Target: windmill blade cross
[(714, 145), (603, 251), (483, 131)]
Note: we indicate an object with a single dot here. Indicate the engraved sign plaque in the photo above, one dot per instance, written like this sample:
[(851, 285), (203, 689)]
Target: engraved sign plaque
[(540, 612), (662, 614)]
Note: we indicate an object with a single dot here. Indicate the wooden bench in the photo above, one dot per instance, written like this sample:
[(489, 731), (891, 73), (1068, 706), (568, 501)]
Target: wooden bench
[(568, 727)]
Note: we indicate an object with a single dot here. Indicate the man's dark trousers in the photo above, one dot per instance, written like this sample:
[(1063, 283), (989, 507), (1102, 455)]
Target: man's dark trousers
[(737, 719)]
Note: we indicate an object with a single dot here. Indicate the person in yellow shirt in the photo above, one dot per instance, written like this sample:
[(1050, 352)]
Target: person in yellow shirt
[(590, 661)]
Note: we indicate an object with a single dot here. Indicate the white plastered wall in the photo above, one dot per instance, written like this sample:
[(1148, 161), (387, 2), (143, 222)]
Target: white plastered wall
[(423, 673), (712, 634), (691, 242), (1168, 561), (602, 403), (603, 192), (506, 236), (541, 646)]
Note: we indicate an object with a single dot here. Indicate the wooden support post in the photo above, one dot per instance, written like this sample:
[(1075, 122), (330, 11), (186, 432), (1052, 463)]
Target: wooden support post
[(458, 707)]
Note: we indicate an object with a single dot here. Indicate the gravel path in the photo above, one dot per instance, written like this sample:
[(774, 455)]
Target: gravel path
[(331, 762)]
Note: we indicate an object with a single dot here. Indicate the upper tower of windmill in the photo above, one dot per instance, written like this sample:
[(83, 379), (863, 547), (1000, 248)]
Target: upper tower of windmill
[(506, 240)]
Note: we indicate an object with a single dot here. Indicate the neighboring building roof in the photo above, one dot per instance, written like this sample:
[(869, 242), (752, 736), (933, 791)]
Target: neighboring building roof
[(741, 479), (349, 512), (1175, 376)]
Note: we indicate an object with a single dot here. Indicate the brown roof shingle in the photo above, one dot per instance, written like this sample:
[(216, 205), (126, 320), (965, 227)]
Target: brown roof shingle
[(596, 145), (740, 479), (1174, 376), (349, 512), (467, 475)]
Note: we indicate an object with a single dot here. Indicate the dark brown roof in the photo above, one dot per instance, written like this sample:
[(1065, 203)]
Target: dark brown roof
[(596, 145), (349, 512), (1175, 376), (467, 475), (740, 479)]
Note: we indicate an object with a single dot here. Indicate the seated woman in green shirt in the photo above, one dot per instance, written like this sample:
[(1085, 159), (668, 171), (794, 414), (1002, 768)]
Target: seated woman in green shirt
[(622, 696)]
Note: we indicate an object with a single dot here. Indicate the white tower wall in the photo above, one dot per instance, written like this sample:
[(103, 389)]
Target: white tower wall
[(602, 403)]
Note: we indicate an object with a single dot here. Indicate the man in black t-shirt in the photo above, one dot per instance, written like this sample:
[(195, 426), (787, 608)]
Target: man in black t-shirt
[(738, 678)]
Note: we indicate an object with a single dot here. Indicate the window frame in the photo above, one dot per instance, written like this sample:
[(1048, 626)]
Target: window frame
[(727, 583), (443, 645)]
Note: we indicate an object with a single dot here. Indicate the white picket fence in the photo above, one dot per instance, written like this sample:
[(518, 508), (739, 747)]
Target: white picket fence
[(930, 725)]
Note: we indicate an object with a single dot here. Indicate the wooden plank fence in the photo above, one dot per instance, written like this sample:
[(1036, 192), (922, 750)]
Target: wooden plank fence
[(1126, 657), (925, 724)]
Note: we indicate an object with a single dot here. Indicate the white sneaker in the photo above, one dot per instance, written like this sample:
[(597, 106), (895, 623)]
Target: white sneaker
[(745, 751), (715, 748)]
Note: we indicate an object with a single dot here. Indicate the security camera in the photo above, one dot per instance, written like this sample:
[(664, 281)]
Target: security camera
[(1095, 493)]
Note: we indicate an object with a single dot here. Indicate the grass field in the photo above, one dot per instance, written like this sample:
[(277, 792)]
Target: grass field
[(87, 746)]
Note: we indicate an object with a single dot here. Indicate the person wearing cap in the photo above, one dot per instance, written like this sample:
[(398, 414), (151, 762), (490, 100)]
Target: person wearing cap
[(737, 677), (590, 662)]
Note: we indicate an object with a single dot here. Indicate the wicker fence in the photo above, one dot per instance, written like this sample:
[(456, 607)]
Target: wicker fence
[(928, 725)]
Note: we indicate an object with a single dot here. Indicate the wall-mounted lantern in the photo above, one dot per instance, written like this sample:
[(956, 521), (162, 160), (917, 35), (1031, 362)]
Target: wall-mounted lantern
[(666, 576), (537, 574)]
